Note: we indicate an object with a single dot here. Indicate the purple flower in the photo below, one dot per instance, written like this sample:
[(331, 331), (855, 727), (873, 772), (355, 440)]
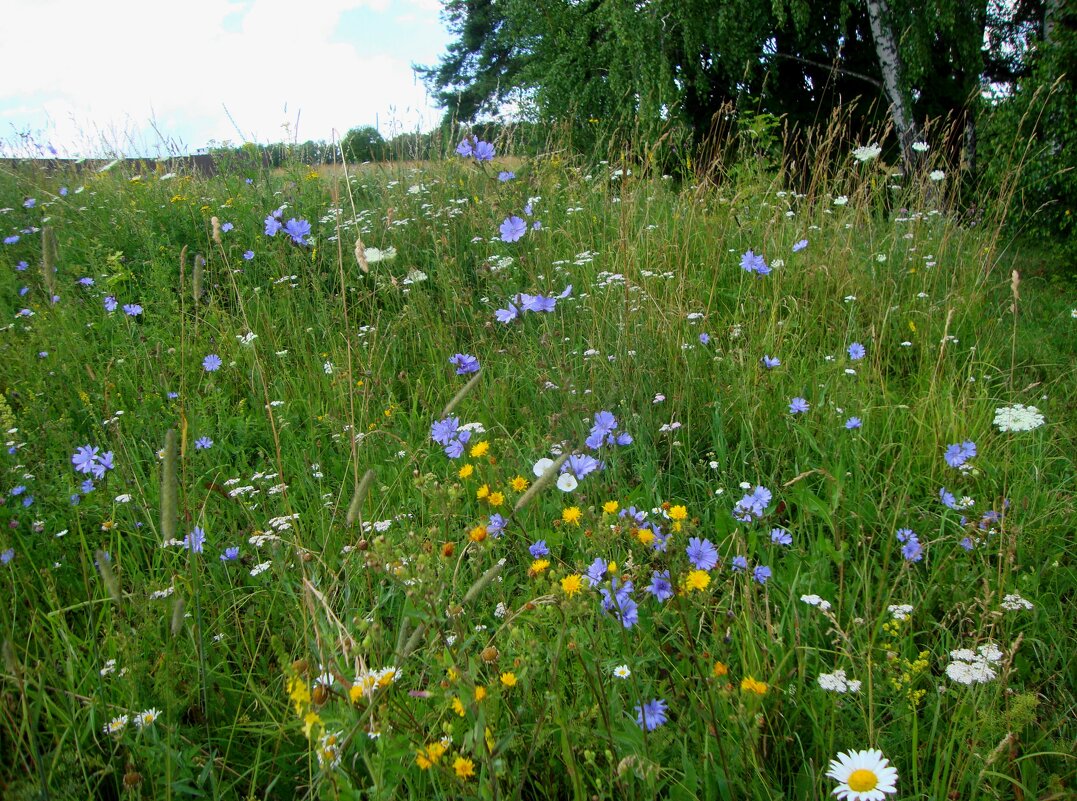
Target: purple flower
[(947, 498), (483, 151), (464, 363), (957, 454), (195, 540), (11, 240), (22, 266), (651, 714), (538, 549), (17, 491), (753, 505), (580, 465), (172, 395), (102, 464), (203, 443), (505, 175), (856, 351), (904, 534), (739, 563), (537, 303), (226, 227), (602, 432), (617, 600), (770, 363), (779, 536), (231, 553), (966, 543), (7, 556), (86, 487), (84, 458), (853, 422), (23, 290), (912, 550), (248, 255), (465, 148), (29, 203), (702, 554), (661, 587), (63, 191), (110, 303), (211, 363), (597, 571), (272, 225), (86, 281), (496, 525), (752, 263), (132, 309), (704, 338), (298, 230), (798, 406), (761, 574), (507, 315), (512, 229), (799, 246), (443, 431)]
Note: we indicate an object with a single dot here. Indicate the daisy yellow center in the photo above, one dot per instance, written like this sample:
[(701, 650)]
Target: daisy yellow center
[(862, 780)]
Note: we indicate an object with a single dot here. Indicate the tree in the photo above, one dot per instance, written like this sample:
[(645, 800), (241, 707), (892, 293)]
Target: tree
[(363, 144)]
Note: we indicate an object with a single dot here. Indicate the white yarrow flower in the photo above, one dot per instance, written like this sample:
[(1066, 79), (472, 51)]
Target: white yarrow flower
[(867, 152)]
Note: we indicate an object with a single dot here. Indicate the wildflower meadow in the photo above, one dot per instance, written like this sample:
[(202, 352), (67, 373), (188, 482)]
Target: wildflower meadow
[(531, 478)]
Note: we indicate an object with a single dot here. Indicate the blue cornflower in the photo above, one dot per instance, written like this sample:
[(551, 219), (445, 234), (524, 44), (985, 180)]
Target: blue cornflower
[(195, 540), (799, 246), (231, 553), (538, 549), (110, 303), (16, 491), (761, 574), (298, 230), (505, 175), (660, 587), (852, 423), (84, 458), (770, 363), (7, 556), (752, 263), (779, 536), (904, 534), (651, 714), (702, 554), (132, 309), (464, 363), (947, 498), (203, 443), (597, 571), (957, 454), (798, 406), (857, 351), (212, 363), (739, 563), (512, 229), (248, 255)]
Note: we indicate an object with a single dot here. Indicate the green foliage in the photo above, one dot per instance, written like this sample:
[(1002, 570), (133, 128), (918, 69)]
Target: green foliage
[(363, 144)]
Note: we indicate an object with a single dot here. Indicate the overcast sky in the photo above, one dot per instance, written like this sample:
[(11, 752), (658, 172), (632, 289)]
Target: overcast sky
[(86, 76)]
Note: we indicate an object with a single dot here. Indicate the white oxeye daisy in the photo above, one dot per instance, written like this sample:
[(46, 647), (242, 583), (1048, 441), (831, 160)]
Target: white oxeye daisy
[(147, 717), (116, 725), (622, 671), (863, 776)]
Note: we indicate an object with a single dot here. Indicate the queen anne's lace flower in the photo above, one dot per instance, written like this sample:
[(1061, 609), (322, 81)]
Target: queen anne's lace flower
[(1018, 417)]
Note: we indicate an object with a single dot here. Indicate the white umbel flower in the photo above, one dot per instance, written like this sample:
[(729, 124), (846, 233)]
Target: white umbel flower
[(1018, 418), (863, 776), (867, 152)]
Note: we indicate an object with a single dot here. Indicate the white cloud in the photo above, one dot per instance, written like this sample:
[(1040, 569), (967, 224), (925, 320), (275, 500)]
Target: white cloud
[(93, 68)]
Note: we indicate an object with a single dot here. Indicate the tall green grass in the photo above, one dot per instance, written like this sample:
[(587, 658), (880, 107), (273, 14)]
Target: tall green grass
[(383, 614)]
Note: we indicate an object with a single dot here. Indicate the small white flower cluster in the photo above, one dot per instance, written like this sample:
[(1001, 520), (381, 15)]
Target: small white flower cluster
[(899, 611), (815, 600), (1014, 602), (837, 682), (1018, 418), (867, 152), (974, 667)]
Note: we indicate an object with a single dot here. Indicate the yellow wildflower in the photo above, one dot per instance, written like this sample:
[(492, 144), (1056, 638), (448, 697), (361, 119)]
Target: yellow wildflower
[(482, 492), (465, 471), (429, 756), (611, 507), (458, 706), (697, 580), (572, 515), (519, 484), (720, 669), (477, 534), (678, 513), (571, 585), (750, 685), (644, 535), (309, 722), (496, 498), (464, 767), (537, 567), (299, 693), (479, 449), (480, 693), (508, 679)]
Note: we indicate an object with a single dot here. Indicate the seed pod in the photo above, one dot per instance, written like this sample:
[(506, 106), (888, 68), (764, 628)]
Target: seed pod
[(320, 694)]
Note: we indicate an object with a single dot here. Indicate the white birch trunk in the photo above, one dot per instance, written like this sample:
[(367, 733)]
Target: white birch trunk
[(890, 66)]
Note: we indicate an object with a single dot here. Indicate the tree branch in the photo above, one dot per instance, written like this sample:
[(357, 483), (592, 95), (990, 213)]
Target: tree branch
[(874, 82)]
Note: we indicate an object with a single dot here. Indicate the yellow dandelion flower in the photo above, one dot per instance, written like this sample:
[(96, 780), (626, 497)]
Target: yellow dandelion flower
[(571, 585), (311, 720), (612, 567), (697, 580), (458, 706), (537, 567), (508, 679), (678, 513), (611, 507), (464, 767), (572, 515), (720, 669), (496, 498), (482, 492), (519, 484), (750, 685), (465, 471), (644, 535), (429, 756), (480, 449), (480, 693), (477, 534)]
